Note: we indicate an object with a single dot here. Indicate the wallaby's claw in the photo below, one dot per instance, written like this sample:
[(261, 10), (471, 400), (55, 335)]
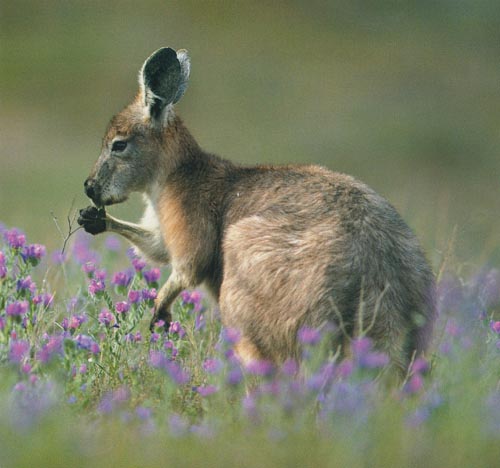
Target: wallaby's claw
[(93, 219)]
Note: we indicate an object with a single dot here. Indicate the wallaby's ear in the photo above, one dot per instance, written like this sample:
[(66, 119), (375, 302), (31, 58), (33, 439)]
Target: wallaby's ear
[(163, 79), (183, 57)]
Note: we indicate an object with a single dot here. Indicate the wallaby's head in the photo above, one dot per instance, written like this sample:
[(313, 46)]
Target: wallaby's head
[(137, 144)]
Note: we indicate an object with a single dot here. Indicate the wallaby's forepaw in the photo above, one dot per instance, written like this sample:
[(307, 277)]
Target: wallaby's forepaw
[(93, 219)]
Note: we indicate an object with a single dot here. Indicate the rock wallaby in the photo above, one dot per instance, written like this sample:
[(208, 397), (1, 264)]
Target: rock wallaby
[(279, 247)]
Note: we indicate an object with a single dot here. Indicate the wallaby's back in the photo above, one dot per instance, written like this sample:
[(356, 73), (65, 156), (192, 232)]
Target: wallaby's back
[(304, 246)]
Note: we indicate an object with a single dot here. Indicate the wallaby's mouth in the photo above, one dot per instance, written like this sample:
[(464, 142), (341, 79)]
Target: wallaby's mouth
[(114, 201), (94, 192)]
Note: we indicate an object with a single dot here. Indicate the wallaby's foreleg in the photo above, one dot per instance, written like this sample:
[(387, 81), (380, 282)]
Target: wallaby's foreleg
[(95, 221), (166, 296)]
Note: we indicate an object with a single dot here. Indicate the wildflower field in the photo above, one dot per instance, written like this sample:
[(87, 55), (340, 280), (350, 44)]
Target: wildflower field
[(84, 382)]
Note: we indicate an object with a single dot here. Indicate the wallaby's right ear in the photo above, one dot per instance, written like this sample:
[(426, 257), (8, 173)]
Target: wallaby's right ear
[(163, 79)]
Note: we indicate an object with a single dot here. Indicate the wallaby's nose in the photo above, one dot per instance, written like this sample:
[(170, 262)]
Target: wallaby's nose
[(89, 188)]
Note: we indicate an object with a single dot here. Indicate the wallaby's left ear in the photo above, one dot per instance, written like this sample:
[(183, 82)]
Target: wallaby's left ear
[(163, 79)]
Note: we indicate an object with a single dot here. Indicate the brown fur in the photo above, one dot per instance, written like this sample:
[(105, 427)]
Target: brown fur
[(279, 247), (175, 229)]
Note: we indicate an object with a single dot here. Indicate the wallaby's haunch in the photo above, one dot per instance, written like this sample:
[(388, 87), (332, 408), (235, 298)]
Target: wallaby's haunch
[(278, 247)]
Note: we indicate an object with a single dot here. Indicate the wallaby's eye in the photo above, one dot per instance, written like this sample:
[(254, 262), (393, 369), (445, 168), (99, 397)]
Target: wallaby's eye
[(119, 146)]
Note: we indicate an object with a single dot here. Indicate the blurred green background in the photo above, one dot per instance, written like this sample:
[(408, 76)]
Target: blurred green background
[(403, 95)]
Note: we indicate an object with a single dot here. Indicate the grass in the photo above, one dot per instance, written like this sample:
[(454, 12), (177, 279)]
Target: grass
[(403, 96), (84, 383)]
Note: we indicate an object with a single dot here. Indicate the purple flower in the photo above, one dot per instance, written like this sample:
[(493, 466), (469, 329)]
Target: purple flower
[(25, 285), (170, 347), (453, 329), (309, 336), (420, 365), (122, 307), (419, 416), (199, 322), (87, 343), (176, 373), (53, 346), (193, 298), (122, 278), (138, 264), (206, 390), (134, 296), (212, 366), (96, 287), (160, 323), (175, 327), (177, 425), (230, 335), (154, 338), (261, 368), (33, 253), (290, 367), (46, 299), (345, 368), (3, 268), (143, 413), (73, 322), (374, 359), (365, 356), (414, 384), (250, 406), (72, 303), (152, 276), (149, 294), (495, 326), (106, 318), (82, 251), (133, 338), (89, 268), (234, 376), (112, 400), (100, 275), (203, 430), (19, 349), (17, 308), (112, 243), (321, 379), (361, 346), (158, 359), (58, 257), (14, 238)]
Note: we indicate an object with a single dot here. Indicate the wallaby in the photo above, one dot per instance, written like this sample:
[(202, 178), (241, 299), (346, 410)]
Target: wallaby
[(279, 247)]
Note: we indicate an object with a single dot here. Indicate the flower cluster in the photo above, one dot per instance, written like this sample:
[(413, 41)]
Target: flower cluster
[(90, 345)]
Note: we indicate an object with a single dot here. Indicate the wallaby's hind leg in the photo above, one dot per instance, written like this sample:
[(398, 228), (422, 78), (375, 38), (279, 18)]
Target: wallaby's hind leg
[(247, 352)]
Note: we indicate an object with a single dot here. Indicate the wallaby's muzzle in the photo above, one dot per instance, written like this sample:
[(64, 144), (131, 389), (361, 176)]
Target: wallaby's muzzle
[(92, 191)]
